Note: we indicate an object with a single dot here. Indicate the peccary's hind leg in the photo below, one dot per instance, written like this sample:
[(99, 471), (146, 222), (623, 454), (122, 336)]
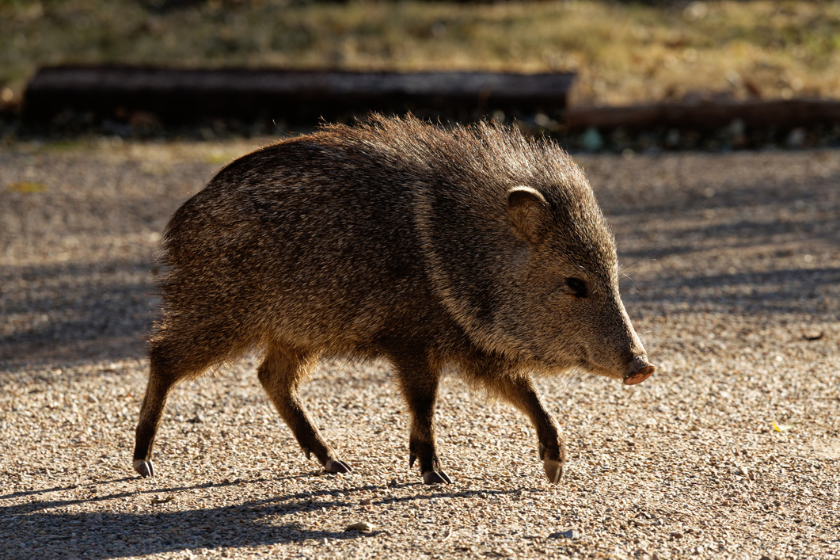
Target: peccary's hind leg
[(169, 364), (520, 392), (280, 375), (419, 383)]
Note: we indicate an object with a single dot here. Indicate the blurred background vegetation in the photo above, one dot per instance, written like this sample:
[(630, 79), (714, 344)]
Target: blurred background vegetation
[(623, 52)]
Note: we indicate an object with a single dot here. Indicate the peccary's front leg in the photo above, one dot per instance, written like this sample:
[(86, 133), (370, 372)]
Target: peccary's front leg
[(520, 392), (419, 383)]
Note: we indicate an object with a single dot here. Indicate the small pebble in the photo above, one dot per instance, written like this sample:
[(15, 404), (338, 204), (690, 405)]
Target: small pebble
[(362, 526), (568, 534), (162, 500)]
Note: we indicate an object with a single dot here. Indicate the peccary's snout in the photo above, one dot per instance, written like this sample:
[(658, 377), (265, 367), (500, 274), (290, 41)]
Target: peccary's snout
[(638, 371)]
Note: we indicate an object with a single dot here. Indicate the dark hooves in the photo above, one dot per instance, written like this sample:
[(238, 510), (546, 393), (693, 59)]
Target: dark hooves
[(553, 470), (333, 466), (144, 468), (436, 477)]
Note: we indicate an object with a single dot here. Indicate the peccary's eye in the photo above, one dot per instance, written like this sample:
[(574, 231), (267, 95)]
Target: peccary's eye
[(577, 286)]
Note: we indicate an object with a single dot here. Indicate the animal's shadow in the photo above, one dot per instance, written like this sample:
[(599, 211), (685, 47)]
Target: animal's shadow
[(31, 530)]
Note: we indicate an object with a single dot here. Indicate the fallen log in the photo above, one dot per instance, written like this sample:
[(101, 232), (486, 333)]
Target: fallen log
[(707, 116), (174, 95)]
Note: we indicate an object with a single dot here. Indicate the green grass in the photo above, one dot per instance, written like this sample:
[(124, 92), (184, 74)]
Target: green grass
[(624, 53)]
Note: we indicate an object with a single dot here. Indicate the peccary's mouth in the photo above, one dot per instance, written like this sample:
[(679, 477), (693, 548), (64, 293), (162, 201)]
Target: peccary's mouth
[(638, 371), (587, 365)]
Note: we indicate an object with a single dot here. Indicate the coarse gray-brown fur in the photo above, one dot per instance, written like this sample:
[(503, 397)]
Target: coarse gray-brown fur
[(474, 247)]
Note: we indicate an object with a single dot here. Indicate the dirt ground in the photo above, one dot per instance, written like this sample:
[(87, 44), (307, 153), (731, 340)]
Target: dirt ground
[(732, 450)]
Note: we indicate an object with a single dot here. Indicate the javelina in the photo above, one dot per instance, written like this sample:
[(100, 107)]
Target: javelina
[(474, 247)]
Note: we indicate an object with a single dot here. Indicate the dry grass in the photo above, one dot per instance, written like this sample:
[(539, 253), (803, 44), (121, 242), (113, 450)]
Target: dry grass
[(624, 52)]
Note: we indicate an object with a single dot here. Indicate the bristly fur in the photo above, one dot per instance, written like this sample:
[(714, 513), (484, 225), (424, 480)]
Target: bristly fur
[(395, 239)]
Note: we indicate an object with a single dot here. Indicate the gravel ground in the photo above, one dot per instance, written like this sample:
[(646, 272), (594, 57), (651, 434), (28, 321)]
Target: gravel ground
[(732, 450)]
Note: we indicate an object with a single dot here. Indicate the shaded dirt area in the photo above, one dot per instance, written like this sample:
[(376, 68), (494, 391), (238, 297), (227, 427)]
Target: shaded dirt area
[(731, 450)]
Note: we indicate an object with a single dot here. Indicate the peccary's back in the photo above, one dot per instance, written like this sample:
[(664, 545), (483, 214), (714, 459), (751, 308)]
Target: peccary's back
[(310, 242)]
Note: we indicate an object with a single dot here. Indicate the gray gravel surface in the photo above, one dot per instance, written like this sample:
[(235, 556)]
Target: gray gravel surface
[(732, 450)]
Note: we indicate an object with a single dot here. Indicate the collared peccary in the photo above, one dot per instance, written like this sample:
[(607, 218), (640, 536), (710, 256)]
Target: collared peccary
[(473, 247)]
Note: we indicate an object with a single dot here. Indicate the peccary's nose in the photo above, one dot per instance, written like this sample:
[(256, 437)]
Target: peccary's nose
[(638, 371)]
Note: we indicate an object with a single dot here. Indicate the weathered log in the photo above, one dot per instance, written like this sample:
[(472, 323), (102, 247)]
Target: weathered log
[(290, 95), (707, 116)]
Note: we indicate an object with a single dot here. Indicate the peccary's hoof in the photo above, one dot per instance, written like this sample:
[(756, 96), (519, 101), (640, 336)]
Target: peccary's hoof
[(337, 467), (144, 468), (553, 470), (439, 477)]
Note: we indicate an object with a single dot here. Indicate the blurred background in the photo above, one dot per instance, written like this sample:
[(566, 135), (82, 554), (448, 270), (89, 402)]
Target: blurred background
[(622, 53)]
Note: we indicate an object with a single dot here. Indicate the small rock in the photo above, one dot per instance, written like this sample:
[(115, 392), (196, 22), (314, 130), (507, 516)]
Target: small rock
[(736, 128), (568, 534), (591, 140), (163, 499), (672, 138), (362, 526), (795, 138), (366, 502)]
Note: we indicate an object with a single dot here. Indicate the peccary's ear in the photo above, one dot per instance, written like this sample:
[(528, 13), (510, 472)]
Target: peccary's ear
[(529, 214)]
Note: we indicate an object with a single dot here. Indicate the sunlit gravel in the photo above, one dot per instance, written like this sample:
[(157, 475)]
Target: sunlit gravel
[(732, 450)]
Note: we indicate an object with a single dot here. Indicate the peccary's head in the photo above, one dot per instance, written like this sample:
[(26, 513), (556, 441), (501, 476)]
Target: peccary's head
[(564, 274), (516, 246)]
